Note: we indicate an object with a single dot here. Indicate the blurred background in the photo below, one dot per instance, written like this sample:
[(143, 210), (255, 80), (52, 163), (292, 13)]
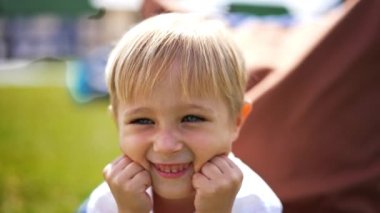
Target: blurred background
[(55, 132), (53, 143)]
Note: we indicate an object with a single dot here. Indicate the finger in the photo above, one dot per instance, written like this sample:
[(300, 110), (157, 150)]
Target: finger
[(130, 171), (229, 161), (211, 171), (222, 164), (230, 170), (117, 159), (199, 181), (109, 166), (234, 171), (116, 166), (142, 180), (120, 158), (133, 178)]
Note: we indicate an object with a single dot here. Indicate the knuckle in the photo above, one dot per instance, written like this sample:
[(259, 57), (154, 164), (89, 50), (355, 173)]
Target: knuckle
[(206, 167), (237, 176), (225, 184), (106, 171), (141, 175), (210, 191), (114, 181), (240, 176), (215, 159), (111, 183), (196, 180), (236, 181), (128, 187)]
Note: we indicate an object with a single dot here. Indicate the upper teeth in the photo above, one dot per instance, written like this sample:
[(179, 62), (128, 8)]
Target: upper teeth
[(173, 168)]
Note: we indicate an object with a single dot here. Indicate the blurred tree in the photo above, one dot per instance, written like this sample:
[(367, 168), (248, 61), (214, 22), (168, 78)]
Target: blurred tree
[(35, 7)]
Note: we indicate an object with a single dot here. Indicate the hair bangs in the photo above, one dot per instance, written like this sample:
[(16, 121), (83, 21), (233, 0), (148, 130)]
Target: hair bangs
[(206, 70), (200, 56), (141, 67)]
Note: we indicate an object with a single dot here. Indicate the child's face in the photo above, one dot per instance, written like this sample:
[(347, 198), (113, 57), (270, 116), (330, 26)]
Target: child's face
[(173, 137)]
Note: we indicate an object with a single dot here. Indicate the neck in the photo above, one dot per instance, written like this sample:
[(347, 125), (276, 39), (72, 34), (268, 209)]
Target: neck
[(185, 205)]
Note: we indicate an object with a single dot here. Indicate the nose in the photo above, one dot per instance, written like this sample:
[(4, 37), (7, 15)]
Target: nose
[(166, 142)]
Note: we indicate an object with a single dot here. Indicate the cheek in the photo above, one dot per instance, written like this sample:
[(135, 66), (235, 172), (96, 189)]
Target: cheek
[(206, 146), (135, 147)]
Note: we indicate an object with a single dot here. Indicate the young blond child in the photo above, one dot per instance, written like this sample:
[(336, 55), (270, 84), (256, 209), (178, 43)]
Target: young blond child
[(176, 83)]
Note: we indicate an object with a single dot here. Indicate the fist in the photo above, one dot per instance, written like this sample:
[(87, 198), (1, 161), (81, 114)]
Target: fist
[(128, 182), (216, 185)]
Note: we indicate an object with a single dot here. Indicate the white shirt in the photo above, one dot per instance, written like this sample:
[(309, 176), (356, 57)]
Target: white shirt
[(254, 195)]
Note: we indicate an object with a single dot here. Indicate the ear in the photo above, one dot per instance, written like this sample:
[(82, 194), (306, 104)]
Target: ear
[(245, 111), (110, 109), (243, 115), (112, 113)]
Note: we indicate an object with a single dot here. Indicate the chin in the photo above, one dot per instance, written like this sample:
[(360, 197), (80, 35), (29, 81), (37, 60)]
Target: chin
[(174, 192)]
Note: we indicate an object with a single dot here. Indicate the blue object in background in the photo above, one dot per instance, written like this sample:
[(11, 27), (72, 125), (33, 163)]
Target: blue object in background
[(85, 77)]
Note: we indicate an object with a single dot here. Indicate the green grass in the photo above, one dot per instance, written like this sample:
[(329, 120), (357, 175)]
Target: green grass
[(52, 150)]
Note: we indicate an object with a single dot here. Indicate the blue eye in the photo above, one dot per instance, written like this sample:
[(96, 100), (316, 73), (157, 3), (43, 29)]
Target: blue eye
[(142, 121), (192, 118)]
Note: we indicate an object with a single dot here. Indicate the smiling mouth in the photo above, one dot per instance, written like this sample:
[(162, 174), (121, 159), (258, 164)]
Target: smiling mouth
[(172, 170)]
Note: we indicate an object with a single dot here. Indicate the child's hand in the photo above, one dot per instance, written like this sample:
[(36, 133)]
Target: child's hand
[(128, 182), (217, 185)]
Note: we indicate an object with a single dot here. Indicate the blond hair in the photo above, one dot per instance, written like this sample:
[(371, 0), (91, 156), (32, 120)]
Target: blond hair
[(209, 63)]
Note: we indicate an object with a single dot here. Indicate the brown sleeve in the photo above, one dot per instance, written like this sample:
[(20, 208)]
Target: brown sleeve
[(315, 135)]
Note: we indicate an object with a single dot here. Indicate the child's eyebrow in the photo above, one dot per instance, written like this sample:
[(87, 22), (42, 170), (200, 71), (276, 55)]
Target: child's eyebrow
[(136, 110), (192, 106), (200, 107)]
